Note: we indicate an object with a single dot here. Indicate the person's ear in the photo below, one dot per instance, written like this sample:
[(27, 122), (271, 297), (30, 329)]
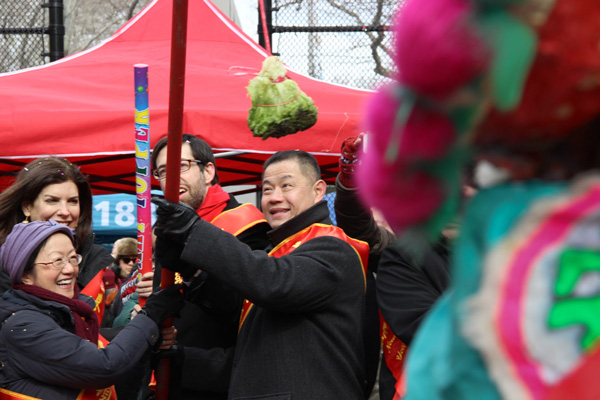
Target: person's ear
[(320, 188), (209, 173), (26, 208), (27, 279)]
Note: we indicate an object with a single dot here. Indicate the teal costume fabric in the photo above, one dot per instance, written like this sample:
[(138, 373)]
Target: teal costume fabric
[(441, 363)]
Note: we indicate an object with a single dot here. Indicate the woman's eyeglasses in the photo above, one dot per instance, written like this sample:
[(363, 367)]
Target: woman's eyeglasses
[(60, 263), (161, 172)]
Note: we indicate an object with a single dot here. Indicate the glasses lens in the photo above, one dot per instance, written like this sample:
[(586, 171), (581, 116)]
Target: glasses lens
[(127, 260), (59, 263), (160, 173), (76, 259), (185, 165)]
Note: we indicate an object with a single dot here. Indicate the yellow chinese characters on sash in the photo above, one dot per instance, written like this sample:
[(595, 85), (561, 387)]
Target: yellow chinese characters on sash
[(108, 393), (313, 231), (98, 394), (394, 353)]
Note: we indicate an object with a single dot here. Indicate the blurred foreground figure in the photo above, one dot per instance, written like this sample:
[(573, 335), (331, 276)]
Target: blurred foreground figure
[(518, 88)]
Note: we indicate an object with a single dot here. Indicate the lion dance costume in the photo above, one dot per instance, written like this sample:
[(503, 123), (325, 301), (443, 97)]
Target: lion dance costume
[(517, 83)]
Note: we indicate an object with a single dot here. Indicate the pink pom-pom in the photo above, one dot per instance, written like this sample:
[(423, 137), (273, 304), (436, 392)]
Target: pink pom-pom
[(404, 194), (426, 135), (438, 48), (404, 197), (380, 114)]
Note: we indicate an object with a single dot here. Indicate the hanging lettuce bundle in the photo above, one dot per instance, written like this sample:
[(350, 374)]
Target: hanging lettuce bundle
[(279, 107)]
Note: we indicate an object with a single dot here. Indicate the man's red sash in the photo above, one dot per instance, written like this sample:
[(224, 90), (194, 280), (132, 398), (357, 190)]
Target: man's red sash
[(239, 219), (394, 353), (315, 230), (6, 394), (89, 394), (98, 394)]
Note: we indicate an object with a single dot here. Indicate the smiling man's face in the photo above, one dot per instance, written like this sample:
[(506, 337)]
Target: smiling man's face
[(194, 182), (287, 192)]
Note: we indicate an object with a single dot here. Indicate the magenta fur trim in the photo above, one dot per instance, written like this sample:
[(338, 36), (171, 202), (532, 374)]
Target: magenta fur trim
[(438, 48)]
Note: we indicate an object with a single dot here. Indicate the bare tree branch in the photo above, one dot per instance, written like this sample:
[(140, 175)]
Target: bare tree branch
[(376, 38), (131, 11), (278, 6)]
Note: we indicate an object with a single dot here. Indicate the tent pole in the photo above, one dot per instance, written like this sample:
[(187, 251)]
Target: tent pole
[(265, 23), (175, 132)]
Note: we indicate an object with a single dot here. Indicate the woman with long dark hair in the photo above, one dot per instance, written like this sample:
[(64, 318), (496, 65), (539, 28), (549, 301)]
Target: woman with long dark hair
[(53, 187)]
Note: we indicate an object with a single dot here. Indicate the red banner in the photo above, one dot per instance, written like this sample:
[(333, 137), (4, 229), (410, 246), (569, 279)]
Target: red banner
[(95, 289)]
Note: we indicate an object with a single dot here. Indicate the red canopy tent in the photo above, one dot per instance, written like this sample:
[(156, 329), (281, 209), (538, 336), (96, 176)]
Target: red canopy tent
[(82, 107)]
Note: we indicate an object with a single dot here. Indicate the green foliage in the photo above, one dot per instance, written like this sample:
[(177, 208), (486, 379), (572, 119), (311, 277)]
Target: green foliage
[(279, 107)]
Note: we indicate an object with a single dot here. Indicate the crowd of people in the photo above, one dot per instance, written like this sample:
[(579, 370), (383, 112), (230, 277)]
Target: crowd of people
[(297, 318)]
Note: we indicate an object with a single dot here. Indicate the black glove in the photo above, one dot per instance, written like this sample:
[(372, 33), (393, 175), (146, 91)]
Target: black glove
[(167, 254), (174, 220), (164, 303), (175, 352)]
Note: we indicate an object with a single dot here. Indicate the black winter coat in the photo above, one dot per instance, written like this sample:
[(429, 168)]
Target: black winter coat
[(359, 223), (207, 329), (42, 357), (406, 290), (302, 339)]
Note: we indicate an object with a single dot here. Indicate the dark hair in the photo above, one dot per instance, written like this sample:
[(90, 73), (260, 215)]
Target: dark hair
[(308, 163), (200, 150), (31, 180)]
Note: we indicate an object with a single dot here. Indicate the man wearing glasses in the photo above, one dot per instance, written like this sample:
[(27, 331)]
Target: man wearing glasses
[(208, 324)]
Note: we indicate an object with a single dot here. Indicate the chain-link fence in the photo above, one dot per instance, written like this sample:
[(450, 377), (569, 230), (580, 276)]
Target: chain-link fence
[(341, 41), (22, 40), (35, 32)]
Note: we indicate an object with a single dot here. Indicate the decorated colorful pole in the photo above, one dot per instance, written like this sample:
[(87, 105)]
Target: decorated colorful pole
[(175, 133), (142, 171)]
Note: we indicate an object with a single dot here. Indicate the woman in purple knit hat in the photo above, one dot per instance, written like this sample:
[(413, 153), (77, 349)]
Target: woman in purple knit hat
[(49, 331)]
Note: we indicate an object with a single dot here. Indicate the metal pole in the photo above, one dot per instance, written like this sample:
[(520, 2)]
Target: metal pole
[(267, 7), (56, 29)]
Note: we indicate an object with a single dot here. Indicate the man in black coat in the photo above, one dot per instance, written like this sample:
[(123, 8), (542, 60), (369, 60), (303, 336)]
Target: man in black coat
[(407, 284), (207, 325), (360, 223), (301, 329), (407, 288)]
